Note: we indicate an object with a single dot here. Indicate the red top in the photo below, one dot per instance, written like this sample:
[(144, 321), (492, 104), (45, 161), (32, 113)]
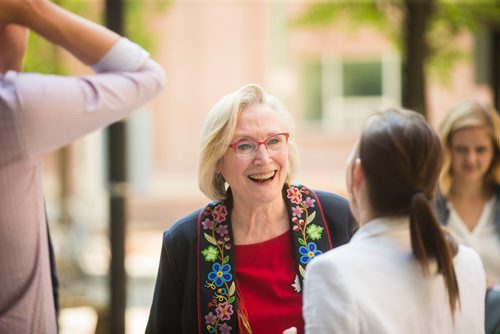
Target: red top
[(265, 272)]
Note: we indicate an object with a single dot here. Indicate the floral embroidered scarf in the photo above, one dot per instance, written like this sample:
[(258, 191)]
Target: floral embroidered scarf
[(218, 311)]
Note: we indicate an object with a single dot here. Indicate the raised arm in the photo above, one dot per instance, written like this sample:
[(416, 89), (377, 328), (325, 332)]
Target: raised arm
[(50, 111), (86, 40)]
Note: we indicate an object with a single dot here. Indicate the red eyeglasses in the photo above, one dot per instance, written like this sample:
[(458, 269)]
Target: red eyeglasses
[(247, 149)]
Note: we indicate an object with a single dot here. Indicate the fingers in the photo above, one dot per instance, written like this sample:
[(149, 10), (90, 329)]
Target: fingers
[(12, 11), (85, 39), (291, 330)]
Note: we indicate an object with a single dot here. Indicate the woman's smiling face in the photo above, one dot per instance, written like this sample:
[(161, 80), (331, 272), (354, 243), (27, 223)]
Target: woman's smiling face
[(471, 153), (259, 179)]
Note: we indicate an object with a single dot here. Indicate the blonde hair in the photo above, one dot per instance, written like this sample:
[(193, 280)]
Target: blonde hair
[(219, 129), (470, 114)]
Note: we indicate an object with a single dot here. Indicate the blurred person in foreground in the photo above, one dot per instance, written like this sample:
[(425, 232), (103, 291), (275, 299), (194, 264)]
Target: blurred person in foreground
[(399, 273), (469, 203), (237, 265), (38, 114)]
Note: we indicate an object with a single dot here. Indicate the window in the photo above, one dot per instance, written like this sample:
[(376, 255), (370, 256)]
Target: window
[(311, 88), (362, 78), (340, 93)]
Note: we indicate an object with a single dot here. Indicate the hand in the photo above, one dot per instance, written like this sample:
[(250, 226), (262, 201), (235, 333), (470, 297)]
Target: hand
[(17, 11), (291, 330), (86, 40)]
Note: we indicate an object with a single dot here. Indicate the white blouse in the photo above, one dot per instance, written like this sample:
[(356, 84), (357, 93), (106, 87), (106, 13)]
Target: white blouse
[(375, 285), (483, 238)]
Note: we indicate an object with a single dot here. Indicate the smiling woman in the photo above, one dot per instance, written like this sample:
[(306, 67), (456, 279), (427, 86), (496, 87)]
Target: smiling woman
[(237, 265), (469, 203)]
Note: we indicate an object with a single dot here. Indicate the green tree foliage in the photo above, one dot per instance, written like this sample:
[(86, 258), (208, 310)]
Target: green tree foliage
[(136, 16), (450, 18), (43, 57)]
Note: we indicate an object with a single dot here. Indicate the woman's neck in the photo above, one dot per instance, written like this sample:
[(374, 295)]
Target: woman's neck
[(363, 210), (468, 201), (470, 191), (256, 223)]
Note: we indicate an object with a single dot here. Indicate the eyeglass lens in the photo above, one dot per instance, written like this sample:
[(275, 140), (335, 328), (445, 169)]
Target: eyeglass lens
[(248, 148)]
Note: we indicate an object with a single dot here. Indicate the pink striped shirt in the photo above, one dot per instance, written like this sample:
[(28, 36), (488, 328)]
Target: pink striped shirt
[(40, 113)]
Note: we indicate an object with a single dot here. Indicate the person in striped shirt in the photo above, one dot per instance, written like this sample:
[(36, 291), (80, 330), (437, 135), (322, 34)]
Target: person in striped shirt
[(40, 113)]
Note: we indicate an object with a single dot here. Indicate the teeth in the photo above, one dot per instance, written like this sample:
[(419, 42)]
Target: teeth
[(262, 176)]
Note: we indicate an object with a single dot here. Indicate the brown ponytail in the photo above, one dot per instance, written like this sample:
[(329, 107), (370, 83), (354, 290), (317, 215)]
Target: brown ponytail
[(402, 157), (428, 240)]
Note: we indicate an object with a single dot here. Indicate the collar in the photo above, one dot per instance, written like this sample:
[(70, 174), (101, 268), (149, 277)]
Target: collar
[(381, 225)]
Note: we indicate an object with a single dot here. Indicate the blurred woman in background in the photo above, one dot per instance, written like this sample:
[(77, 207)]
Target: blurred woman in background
[(469, 184), (469, 203)]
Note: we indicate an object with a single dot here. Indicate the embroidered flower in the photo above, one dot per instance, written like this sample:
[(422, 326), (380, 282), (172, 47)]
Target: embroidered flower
[(309, 202), (224, 311), (211, 329), (210, 318), (220, 274), (225, 328), (308, 253), (222, 230), (208, 211), (297, 211), (294, 195), (304, 190), (207, 224), (220, 213)]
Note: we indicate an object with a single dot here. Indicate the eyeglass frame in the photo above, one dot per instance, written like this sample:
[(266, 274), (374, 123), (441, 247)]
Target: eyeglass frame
[(262, 142)]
